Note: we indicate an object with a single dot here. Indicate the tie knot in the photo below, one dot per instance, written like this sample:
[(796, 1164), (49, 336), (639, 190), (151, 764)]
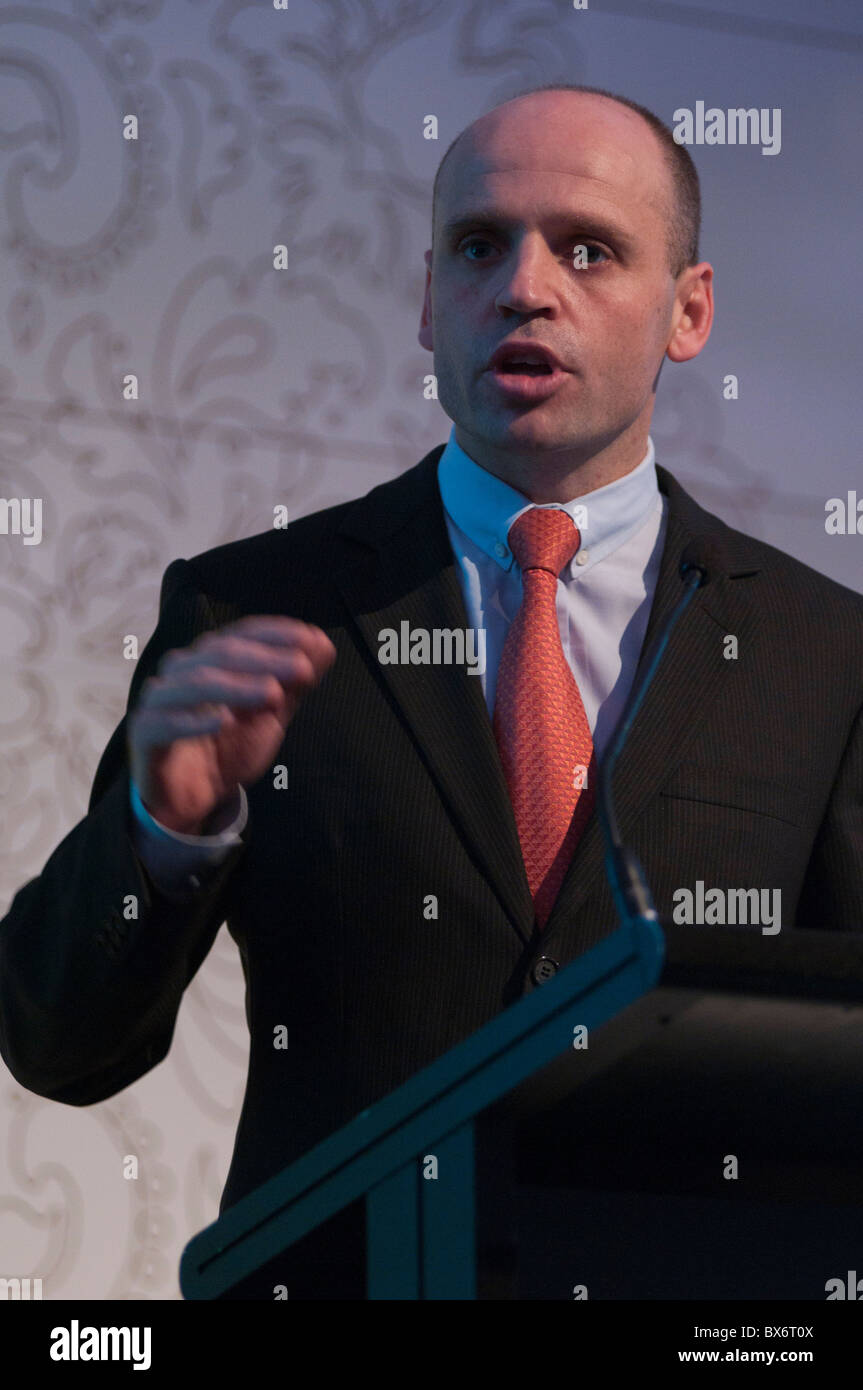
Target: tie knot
[(544, 538)]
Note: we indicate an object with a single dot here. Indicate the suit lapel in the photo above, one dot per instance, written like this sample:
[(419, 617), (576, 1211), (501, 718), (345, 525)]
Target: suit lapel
[(692, 675), (400, 567), (410, 575)]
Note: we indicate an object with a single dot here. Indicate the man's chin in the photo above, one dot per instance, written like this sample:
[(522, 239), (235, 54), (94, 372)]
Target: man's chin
[(526, 432)]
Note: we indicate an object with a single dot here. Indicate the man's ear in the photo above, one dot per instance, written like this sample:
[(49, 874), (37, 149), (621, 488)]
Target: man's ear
[(425, 333), (696, 317)]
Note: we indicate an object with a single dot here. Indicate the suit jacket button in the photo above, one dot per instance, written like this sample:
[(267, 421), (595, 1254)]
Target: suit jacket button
[(543, 969)]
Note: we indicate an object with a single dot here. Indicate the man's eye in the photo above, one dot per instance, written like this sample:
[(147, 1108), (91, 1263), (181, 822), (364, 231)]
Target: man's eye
[(582, 250), (474, 241)]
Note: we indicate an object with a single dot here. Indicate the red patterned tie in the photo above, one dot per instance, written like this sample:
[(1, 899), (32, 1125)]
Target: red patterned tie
[(539, 722)]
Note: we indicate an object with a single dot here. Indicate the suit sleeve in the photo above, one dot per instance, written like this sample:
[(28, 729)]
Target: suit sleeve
[(832, 894), (89, 993)]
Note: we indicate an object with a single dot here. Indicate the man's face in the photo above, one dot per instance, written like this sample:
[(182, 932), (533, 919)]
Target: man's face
[(532, 181)]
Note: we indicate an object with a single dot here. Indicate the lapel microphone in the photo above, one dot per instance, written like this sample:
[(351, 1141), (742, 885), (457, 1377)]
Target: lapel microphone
[(699, 564)]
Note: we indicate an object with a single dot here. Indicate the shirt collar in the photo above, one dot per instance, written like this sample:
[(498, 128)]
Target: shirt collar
[(484, 507)]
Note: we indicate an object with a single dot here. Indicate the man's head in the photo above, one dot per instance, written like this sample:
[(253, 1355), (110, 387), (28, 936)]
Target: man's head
[(517, 193)]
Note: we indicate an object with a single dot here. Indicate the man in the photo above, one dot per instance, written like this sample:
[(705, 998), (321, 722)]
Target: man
[(436, 841)]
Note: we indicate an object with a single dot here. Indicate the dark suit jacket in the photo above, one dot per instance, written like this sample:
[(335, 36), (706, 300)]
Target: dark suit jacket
[(740, 773)]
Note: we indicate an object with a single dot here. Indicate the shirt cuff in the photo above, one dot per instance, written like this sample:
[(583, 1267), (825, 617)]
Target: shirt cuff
[(177, 862)]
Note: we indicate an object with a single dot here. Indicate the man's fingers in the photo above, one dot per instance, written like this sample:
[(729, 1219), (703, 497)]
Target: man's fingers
[(276, 630), (230, 650), (193, 684)]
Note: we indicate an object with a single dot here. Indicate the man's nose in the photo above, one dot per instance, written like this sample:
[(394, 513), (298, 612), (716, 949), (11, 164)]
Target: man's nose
[(529, 279)]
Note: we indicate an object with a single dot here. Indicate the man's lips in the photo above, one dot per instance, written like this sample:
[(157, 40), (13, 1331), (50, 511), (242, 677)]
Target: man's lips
[(524, 358), (525, 372), (526, 386)]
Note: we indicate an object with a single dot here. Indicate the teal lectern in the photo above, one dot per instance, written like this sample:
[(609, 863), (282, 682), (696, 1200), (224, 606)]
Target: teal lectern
[(421, 1234)]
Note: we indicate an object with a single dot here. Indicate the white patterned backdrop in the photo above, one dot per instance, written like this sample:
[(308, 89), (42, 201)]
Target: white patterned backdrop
[(304, 126)]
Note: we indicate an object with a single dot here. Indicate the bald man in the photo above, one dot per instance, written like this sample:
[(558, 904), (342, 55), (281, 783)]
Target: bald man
[(438, 667), (518, 194)]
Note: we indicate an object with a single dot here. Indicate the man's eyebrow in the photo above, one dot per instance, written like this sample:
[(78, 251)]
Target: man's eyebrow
[(484, 221)]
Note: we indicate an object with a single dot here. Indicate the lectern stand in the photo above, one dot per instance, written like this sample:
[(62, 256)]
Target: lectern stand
[(706, 1143), (712, 1148)]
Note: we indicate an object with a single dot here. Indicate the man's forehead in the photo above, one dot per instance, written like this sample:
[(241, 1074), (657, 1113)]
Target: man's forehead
[(585, 145), (593, 174)]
